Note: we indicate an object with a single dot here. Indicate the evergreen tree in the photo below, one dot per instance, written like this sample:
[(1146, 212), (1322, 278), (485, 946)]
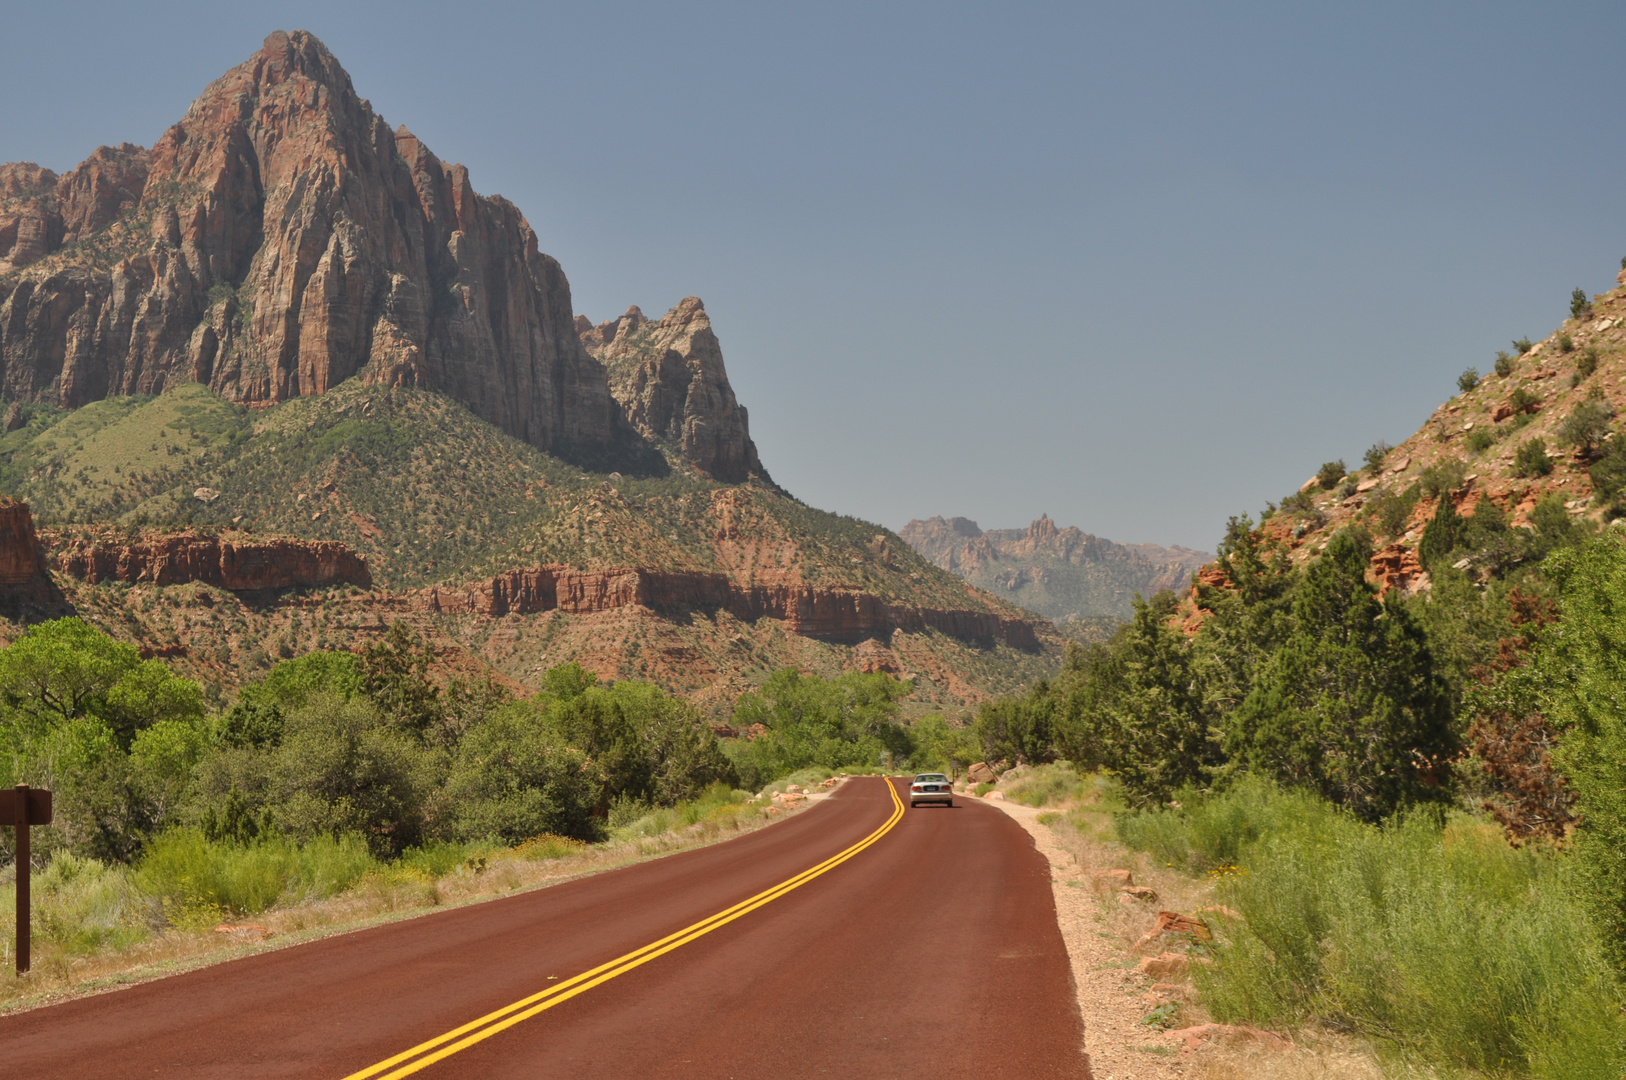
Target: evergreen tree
[(1350, 706)]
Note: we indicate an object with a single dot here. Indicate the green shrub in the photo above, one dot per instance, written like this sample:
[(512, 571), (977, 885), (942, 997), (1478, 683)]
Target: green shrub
[(1566, 344), (1587, 426), (1524, 400), (80, 906), (1480, 439), (1379, 450), (1580, 673), (1504, 364), (1443, 477), (1329, 474), (1393, 508), (1531, 459), (1468, 379), (1046, 785), (1523, 345), (1608, 473), (1580, 303), (1587, 362), (1445, 943), (185, 870)]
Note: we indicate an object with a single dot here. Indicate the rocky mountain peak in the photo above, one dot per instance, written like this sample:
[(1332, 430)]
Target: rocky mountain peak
[(277, 241), (668, 377)]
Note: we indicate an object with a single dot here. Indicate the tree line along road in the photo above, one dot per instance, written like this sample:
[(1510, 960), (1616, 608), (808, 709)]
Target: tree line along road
[(857, 939)]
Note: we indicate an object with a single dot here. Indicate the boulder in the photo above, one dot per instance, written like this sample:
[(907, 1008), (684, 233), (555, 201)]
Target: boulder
[(980, 773), (1172, 922), (1116, 877), (1140, 892)]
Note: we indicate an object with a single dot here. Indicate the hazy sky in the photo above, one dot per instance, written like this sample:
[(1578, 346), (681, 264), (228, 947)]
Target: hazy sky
[(1138, 266)]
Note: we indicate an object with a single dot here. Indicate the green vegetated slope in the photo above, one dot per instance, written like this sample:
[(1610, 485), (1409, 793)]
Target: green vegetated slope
[(426, 490), (1404, 764)]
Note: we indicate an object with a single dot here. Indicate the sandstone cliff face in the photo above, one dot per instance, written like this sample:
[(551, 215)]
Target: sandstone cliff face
[(278, 240), (834, 614), (669, 380), (19, 547), (240, 565)]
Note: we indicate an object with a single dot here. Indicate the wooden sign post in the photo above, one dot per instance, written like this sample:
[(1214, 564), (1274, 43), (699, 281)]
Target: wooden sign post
[(21, 807)]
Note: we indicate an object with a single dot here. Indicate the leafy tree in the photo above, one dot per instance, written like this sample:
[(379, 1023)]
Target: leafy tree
[(1329, 474), (639, 743), (1468, 379), (939, 745), (1018, 729), (66, 669), (342, 767), (257, 716), (1504, 365), (1350, 706), (1376, 453), (517, 776), (837, 723), (1580, 304)]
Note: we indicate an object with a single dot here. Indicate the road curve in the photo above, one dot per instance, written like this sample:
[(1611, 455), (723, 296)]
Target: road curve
[(933, 952)]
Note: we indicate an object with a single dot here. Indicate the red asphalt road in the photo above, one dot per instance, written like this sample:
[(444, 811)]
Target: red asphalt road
[(932, 953)]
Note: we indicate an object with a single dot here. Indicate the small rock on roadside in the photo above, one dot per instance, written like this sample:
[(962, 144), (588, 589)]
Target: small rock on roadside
[(1143, 893), (1167, 964), (1194, 1037), (1116, 877)]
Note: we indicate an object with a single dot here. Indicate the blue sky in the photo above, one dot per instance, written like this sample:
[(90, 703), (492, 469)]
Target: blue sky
[(1137, 266)]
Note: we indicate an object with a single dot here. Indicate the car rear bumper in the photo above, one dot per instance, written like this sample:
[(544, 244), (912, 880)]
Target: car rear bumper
[(916, 797)]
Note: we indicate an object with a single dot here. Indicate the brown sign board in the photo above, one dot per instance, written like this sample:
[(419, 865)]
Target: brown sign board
[(39, 806)]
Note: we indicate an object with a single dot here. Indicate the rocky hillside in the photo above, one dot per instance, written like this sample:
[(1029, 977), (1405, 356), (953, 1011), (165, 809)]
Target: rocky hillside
[(281, 239), (1065, 574), (1534, 432)]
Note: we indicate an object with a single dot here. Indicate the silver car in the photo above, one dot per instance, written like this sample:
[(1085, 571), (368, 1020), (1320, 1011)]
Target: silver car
[(930, 787)]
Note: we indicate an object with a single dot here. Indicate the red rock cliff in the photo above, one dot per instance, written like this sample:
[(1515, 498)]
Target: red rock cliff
[(239, 565), (278, 240), (19, 548), (839, 614)]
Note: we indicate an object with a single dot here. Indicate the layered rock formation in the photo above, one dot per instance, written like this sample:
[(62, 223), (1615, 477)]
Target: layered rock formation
[(241, 565), (278, 240), (1061, 573), (19, 547), (669, 380), (829, 613)]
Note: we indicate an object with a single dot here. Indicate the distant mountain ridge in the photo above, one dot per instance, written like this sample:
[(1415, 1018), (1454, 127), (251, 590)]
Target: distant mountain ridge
[(1064, 574)]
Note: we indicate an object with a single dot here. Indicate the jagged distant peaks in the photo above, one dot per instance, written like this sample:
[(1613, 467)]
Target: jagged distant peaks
[(1062, 573), (281, 238)]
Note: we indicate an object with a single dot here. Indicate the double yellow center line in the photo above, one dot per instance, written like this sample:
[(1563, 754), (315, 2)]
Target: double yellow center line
[(443, 1046)]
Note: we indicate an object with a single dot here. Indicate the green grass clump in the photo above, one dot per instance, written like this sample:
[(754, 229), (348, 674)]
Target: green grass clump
[(717, 803), (189, 873), (1047, 785), (80, 907), (1440, 941)]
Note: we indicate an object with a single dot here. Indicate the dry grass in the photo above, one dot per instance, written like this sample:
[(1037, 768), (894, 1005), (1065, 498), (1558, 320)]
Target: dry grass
[(390, 896)]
